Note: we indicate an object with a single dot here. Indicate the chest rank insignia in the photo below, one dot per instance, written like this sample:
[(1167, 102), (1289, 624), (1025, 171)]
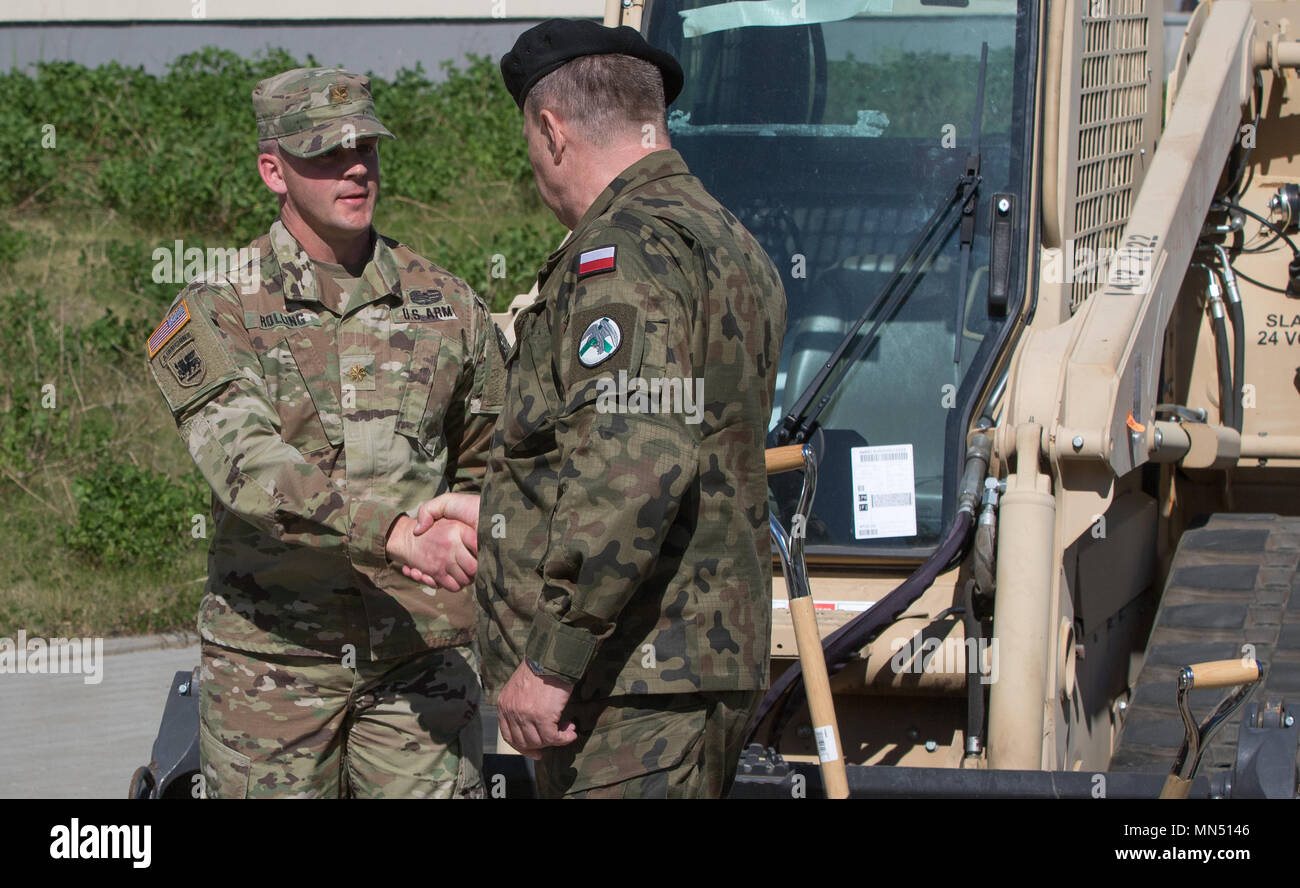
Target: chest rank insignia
[(356, 372), (599, 342)]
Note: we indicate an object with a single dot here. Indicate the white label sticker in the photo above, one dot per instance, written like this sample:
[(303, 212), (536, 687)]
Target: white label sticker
[(826, 751), (854, 606), (884, 492)]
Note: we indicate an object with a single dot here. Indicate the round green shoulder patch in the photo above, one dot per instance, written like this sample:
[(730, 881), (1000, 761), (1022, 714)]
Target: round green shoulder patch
[(599, 341)]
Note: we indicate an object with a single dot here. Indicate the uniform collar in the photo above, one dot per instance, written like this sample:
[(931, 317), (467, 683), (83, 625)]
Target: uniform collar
[(379, 278), (656, 165)]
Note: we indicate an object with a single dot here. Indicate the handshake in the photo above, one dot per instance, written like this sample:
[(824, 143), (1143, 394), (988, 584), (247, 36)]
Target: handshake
[(440, 546)]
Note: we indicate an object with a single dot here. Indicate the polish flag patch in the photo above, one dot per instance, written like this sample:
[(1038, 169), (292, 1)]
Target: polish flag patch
[(597, 260)]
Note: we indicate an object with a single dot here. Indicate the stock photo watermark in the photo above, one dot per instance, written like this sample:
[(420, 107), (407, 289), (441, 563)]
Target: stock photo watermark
[(635, 394), (178, 264), (54, 656), (945, 656)]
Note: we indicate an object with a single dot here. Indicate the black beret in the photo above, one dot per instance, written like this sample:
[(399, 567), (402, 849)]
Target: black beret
[(545, 47)]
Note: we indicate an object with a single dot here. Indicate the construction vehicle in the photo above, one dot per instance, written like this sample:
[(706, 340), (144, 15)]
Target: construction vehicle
[(1044, 338), (1043, 348)]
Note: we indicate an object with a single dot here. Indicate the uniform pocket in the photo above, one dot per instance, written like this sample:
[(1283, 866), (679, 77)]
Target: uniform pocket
[(413, 417), (636, 748), (530, 406), (304, 399), (469, 770), (225, 771)]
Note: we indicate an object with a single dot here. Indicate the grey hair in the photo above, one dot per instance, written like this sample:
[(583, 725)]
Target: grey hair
[(607, 97)]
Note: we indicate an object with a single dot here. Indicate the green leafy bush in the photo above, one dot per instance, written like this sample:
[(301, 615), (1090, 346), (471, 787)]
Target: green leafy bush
[(41, 418), (129, 515), (12, 243)]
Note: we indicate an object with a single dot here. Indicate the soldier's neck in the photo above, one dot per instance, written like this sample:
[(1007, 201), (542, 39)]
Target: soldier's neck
[(595, 169), (351, 251)]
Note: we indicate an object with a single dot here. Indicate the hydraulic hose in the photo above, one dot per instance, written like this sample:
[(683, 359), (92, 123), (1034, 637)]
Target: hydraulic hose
[(1226, 415), (1238, 319), (842, 645), (1214, 305)]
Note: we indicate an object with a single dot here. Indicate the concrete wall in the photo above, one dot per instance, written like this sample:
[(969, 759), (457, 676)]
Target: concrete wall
[(318, 10), (380, 36), (378, 47)]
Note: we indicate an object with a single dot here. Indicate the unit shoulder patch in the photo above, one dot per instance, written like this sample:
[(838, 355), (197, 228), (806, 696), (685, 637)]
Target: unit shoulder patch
[(603, 339), (181, 356), (187, 359), (599, 341)]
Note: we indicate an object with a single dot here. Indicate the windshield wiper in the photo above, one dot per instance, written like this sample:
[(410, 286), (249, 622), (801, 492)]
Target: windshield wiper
[(971, 186), (802, 418)]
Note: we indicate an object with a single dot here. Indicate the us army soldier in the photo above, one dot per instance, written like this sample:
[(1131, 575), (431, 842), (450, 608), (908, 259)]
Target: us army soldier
[(624, 557), (350, 381)]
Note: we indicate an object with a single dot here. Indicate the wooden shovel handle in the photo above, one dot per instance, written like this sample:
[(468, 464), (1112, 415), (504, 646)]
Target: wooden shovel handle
[(784, 459), (1224, 673), (826, 730)]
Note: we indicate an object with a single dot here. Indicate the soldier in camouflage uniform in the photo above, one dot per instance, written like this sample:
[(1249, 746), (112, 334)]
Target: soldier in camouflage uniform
[(624, 558), (324, 389)]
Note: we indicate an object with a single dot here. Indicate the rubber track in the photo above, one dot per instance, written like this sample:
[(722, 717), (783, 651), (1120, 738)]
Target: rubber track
[(1232, 582)]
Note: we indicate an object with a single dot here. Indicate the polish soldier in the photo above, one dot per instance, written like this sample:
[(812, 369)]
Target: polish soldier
[(624, 558), (324, 389)]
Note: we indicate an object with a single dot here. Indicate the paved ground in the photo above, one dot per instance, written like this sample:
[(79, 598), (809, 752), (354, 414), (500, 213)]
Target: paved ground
[(65, 739)]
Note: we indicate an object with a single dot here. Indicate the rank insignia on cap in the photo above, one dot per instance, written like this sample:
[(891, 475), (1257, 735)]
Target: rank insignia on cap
[(339, 92), (178, 318), (600, 340), (593, 261)]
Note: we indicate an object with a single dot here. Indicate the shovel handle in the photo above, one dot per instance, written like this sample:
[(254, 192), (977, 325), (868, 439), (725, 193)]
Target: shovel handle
[(821, 706), (784, 459), (1224, 673)]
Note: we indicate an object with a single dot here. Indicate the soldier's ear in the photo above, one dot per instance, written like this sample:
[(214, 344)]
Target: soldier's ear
[(270, 166), (553, 134)]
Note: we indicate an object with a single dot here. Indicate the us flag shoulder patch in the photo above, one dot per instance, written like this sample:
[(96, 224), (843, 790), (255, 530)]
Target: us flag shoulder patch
[(179, 317), (595, 261)]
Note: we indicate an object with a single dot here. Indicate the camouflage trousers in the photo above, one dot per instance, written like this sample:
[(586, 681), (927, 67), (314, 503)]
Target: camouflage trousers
[(306, 727), (650, 746)]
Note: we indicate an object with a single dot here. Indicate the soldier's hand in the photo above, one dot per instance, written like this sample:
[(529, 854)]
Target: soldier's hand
[(445, 555), (529, 711), (460, 506)]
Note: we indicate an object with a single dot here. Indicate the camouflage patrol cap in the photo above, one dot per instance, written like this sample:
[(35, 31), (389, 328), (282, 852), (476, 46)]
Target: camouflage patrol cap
[(311, 110)]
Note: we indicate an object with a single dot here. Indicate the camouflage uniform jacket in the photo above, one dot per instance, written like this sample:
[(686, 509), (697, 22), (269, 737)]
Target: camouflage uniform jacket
[(317, 431), (623, 541)]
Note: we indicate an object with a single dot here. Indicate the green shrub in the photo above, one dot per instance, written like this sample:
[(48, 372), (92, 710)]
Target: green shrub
[(41, 420), (129, 515), (13, 243)]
